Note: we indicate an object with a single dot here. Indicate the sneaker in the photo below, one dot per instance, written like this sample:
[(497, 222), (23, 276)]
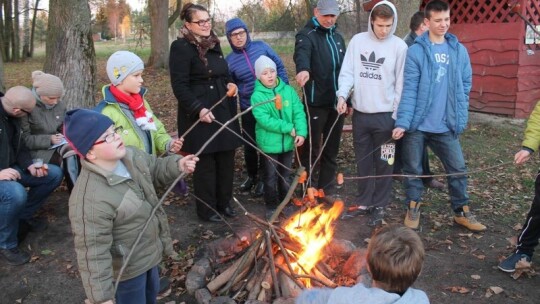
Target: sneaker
[(412, 218), (354, 211), (509, 264), (468, 220), (259, 189), (247, 184), (377, 217), (14, 256), (34, 224)]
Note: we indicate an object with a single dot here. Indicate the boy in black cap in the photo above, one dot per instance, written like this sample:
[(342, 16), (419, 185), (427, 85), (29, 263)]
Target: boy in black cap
[(110, 204)]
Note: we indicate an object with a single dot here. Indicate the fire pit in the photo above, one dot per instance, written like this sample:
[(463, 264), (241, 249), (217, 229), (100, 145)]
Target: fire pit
[(273, 263)]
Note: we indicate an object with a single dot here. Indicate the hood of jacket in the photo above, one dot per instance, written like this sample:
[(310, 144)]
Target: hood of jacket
[(394, 24), (232, 25), (377, 296)]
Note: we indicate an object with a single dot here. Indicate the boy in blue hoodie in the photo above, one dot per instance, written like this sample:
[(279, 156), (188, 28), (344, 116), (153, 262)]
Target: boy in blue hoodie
[(395, 256), (278, 129)]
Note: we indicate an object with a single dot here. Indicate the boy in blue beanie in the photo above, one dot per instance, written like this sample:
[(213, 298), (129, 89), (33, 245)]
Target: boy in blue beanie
[(109, 205)]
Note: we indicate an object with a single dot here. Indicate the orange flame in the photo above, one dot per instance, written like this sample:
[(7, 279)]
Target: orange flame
[(313, 229)]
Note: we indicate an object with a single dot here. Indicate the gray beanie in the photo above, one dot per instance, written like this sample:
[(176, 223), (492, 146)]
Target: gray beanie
[(262, 64), (47, 85), (121, 64)]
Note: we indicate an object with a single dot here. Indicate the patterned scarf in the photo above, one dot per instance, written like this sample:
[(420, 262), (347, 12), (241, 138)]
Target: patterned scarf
[(143, 118), (203, 44)]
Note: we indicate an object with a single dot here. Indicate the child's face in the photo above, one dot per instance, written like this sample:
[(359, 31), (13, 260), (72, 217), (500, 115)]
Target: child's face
[(268, 77), (132, 83), (50, 100), (109, 146)]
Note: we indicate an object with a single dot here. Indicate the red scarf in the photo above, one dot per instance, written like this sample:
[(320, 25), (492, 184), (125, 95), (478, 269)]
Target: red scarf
[(143, 118)]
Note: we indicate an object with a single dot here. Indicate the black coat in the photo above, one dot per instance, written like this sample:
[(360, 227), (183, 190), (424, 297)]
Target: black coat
[(12, 148), (197, 86), (320, 51)]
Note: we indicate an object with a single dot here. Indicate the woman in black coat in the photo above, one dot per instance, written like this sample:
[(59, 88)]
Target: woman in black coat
[(199, 79)]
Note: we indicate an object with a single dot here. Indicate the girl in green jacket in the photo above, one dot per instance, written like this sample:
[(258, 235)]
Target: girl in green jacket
[(278, 130)]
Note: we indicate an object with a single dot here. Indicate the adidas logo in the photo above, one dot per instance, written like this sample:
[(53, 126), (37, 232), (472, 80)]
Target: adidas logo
[(372, 63)]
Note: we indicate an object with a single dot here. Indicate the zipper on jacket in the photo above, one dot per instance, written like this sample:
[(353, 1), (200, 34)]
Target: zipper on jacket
[(335, 56), (280, 117)]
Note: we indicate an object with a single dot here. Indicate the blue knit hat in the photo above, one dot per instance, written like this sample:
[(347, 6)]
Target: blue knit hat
[(233, 24), (83, 127)]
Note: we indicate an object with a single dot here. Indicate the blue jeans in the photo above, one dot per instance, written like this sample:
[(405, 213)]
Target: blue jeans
[(17, 204), (447, 148), (139, 290)]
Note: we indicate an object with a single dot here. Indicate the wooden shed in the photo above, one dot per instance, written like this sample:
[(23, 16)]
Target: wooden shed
[(506, 70)]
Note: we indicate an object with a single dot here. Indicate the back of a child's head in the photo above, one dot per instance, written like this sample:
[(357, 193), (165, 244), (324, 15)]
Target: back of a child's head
[(395, 257)]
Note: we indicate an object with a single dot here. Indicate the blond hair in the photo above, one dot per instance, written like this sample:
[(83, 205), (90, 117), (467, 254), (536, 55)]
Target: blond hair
[(395, 256)]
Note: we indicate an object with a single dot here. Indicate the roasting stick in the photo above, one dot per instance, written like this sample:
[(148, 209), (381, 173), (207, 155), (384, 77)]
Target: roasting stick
[(182, 175)]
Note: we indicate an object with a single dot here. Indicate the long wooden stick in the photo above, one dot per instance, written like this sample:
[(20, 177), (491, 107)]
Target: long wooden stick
[(271, 259), (287, 198)]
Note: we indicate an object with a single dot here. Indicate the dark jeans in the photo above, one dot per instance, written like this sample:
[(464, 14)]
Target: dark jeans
[(373, 147), (276, 178), (254, 163), (142, 289), (447, 148), (528, 238), (17, 204), (320, 122), (213, 182), (398, 164)]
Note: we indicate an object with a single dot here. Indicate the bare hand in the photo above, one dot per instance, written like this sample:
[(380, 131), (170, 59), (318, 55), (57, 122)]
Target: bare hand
[(298, 141), (341, 106), (208, 118), (38, 172), (521, 157), (398, 133), (302, 78), (187, 163), (176, 145), (56, 139), (9, 174)]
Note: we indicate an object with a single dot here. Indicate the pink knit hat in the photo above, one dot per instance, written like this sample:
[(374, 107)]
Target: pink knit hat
[(47, 85)]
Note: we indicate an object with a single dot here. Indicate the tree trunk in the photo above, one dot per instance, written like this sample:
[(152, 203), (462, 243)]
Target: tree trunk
[(8, 30), (33, 29), (3, 41), (405, 9), (159, 39), (26, 29), (2, 82), (16, 50), (175, 14), (358, 15), (69, 53), (309, 9)]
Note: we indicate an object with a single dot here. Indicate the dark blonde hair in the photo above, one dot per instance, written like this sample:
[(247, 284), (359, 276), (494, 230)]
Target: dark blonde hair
[(382, 11), (189, 9), (395, 256)]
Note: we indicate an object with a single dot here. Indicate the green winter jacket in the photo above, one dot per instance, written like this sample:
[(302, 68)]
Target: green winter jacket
[(132, 135), (273, 128), (108, 211), (531, 140)]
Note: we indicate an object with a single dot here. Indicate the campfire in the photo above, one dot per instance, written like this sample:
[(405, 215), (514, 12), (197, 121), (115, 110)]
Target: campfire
[(277, 261)]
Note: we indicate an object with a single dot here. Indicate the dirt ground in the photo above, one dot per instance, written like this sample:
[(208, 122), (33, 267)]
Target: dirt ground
[(459, 268)]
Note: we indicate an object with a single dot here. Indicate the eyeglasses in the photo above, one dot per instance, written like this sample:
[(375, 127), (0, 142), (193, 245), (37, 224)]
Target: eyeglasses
[(238, 35), (202, 22), (109, 138)]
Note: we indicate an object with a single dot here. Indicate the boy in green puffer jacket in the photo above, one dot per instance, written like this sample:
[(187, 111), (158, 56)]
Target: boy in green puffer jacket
[(280, 127)]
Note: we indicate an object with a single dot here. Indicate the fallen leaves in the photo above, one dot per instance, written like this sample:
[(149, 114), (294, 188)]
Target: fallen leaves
[(458, 289), (523, 267), (493, 290)]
